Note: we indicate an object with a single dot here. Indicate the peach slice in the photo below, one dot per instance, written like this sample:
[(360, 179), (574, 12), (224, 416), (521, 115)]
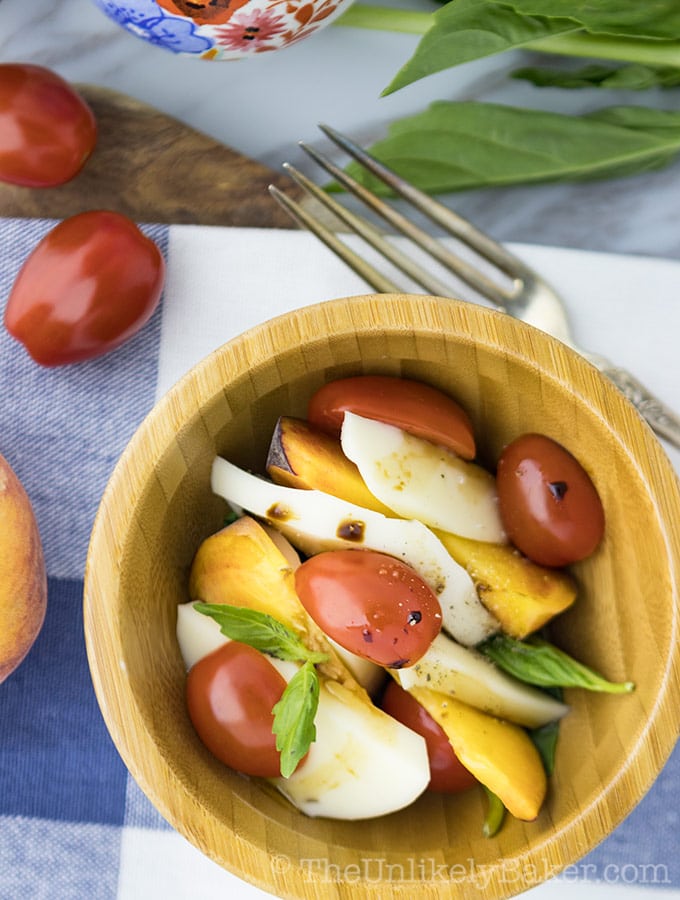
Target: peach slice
[(499, 754), (302, 456), (521, 594)]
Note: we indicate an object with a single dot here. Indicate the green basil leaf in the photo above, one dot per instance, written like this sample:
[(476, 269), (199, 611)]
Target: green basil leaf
[(545, 740), (540, 663), (454, 146), (659, 20), (259, 630), (294, 718), (464, 30), (495, 814), (627, 78)]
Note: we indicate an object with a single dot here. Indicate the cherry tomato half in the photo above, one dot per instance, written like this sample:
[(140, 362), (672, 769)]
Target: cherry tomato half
[(230, 696), (410, 405), (447, 773), (550, 508), (371, 604), (90, 284), (47, 130)]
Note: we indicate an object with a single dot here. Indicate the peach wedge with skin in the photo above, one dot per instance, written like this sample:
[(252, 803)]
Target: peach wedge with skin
[(240, 565), (521, 594), (499, 754), (23, 582), (302, 456)]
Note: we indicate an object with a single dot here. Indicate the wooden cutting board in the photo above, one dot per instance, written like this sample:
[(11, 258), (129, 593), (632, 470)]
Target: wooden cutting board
[(153, 168)]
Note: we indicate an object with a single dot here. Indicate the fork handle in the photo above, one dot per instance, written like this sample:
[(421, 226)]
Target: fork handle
[(662, 419)]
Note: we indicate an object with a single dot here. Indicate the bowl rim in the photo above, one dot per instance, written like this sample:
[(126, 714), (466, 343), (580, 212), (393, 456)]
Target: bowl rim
[(205, 380)]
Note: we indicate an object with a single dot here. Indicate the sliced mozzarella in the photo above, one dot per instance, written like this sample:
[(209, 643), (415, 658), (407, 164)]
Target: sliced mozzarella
[(369, 675), (197, 635), (363, 762), (420, 480), (466, 674), (314, 521)]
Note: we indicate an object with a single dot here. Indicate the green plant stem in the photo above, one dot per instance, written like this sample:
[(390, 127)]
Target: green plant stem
[(384, 18), (633, 50)]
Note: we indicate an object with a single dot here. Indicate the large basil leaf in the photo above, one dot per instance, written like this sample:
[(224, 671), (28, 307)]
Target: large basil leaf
[(457, 146), (659, 19), (464, 30)]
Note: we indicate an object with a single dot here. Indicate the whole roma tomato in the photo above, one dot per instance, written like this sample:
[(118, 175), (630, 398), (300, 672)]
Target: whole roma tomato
[(447, 773), (371, 604), (90, 284), (230, 696), (412, 406), (47, 130), (550, 508)]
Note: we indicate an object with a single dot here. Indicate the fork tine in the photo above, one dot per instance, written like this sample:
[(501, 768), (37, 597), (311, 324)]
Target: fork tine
[(361, 226), (468, 273), (370, 275), (446, 218)]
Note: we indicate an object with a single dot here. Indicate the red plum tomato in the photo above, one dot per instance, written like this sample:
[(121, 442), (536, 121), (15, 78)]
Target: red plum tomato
[(88, 286), (371, 604), (447, 773), (550, 508), (230, 696), (47, 130), (414, 407)]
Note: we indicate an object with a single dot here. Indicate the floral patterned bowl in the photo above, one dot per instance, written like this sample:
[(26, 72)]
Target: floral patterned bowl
[(222, 29)]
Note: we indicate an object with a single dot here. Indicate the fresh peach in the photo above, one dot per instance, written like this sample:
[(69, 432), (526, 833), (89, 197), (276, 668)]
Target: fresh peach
[(23, 582)]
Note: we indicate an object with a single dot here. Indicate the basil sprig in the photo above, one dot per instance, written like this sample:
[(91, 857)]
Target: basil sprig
[(295, 712), (261, 631), (294, 716), (539, 662)]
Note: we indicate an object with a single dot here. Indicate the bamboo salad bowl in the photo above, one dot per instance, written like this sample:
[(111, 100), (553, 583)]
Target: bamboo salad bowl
[(158, 507)]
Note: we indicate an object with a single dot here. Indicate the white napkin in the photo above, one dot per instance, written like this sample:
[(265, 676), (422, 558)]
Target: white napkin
[(223, 281)]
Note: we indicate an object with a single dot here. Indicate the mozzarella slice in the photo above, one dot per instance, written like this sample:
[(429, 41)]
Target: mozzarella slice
[(314, 521), (420, 480), (470, 677), (363, 763), (197, 635)]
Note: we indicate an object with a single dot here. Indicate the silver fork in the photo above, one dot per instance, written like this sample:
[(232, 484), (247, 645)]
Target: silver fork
[(525, 295)]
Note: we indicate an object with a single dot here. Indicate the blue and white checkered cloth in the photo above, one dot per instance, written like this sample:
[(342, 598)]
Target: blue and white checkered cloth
[(73, 824)]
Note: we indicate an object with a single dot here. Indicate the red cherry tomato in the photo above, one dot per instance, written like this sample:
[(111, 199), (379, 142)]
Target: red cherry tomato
[(47, 130), (410, 405), (550, 508), (230, 697), (447, 773), (371, 604), (91, 283)]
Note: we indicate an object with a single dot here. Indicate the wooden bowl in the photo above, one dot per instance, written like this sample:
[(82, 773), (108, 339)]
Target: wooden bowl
[(158, 507)]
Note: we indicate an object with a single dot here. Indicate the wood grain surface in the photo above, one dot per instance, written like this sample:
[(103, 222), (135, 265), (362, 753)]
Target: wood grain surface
[(153, 168)]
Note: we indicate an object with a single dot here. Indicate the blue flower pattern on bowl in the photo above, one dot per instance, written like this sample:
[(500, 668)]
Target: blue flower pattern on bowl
[(222, 29), (147, 20)]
